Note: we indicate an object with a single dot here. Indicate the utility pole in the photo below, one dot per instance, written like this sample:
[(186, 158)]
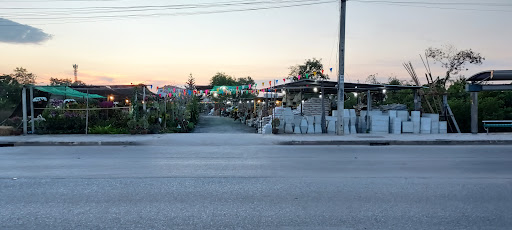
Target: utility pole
[(341, 70)]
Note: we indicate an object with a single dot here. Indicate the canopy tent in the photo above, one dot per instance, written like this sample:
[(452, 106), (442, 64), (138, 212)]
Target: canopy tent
[(65, 91)]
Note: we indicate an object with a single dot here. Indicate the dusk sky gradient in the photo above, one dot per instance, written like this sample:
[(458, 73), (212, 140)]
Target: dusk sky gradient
[(262, 44)]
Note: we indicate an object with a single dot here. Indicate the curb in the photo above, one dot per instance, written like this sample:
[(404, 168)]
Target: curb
[(395, 142), (81, 143)]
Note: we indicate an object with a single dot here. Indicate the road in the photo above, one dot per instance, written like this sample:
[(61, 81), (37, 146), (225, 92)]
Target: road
[(216, 124), (256, 187)]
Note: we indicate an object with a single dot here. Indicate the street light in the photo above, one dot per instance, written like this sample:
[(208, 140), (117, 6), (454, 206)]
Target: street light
[(315, 90)]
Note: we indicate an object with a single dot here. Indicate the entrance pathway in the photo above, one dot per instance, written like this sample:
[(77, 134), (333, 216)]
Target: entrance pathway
[(215, 124)]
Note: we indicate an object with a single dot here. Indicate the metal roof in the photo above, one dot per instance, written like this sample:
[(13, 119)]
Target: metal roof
[(331, 87), (492, 75)]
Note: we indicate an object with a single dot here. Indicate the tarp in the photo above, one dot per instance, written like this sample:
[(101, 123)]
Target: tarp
[(65, 91)]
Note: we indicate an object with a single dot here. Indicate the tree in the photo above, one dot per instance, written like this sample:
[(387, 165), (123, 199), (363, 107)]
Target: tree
[(60, 82), (10, 93), (23, 77), (453, 60), (78, 83), (245, 81), (311, 69), (372, 79), (222, 79), (191, 83)]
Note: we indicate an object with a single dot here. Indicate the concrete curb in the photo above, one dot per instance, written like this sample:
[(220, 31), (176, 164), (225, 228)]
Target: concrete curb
[(395, 142), (68, 143)]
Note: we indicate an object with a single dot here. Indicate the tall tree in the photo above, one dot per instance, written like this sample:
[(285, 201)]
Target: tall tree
[(453, 60), (191, 83), (23, 77), (222, 79), (312, 69), (61, 82), (245, 81)]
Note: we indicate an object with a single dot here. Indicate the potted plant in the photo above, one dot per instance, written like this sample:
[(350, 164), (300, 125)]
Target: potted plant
[(132, 125), (275, 125)]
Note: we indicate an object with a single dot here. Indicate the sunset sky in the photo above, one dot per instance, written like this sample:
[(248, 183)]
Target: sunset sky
[(111, 48)]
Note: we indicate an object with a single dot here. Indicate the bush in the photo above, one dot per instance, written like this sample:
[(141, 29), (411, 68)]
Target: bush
[(109, 129)]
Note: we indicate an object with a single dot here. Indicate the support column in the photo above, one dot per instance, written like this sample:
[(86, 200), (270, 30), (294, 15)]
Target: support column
[(32, 122), (323, 123), (368, 109), (474, 112), (24, 105), (417, 100)]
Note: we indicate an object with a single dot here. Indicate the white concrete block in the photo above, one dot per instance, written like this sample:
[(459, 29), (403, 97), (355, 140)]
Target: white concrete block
[(318, 128), (426, 125), (352, 112), (416, 120), (407, 127), (304, 125), (443, 127), (397, 126), (435, 127), (331, 127), (335, 113), (346, 113), (288, 128), (403, 115), (392, 113)]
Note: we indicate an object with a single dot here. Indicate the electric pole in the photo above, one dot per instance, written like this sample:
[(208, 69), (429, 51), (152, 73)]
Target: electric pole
[(341, 70)]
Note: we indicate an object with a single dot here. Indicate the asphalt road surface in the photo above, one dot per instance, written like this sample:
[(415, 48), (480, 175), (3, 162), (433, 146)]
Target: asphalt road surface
[(256, 187)]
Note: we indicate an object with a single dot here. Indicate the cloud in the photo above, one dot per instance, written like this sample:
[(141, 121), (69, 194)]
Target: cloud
[(13, 32)]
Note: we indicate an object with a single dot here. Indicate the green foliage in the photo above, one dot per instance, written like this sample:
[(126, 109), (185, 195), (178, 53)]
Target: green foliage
[(491, 105), (222, 79), (10, 93), (309, 68), (453, 60), (109, 129), (191, 83), (23, 76), (245, 81), (350, 101), (275, 123)]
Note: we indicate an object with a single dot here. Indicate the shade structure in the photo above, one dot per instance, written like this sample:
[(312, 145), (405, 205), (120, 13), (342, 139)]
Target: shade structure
[(65, 91)]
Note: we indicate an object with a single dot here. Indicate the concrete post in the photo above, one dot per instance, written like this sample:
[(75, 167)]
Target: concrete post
[(474, 112), (24, 105), (417, 101), (323, 122), (32, 122), (368, 109)]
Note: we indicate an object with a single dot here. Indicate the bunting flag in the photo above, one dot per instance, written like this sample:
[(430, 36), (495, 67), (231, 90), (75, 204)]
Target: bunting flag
[(330, 70), (169, 94), (270, 83), (314, 73), (151, 86), (284, 80), (299, 77), (307, 75), (249, 86), (263, 84), (174, 90), (276, 81), (322, 71)]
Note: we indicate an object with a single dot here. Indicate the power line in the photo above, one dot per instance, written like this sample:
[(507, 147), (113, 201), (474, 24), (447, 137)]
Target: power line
[(432, 5), (114, 17)]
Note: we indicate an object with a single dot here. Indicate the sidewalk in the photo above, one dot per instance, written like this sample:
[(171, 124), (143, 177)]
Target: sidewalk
[(239, 139)]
